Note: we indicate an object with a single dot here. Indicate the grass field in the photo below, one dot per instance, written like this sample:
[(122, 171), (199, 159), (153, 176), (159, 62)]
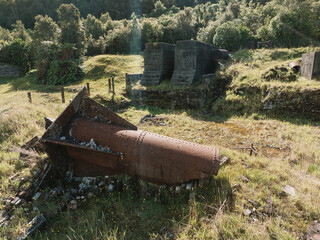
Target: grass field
[(287, 154)]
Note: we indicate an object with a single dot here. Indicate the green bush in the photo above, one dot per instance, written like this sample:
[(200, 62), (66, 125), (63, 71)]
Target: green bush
[(96, 47), (55, 64), (17, 53), (62, 72), (231, 35)]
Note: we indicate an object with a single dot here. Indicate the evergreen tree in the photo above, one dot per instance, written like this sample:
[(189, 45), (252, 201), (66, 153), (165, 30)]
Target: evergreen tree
[(72, 31)]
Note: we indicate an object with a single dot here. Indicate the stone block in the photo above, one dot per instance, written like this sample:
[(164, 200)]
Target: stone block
[(192, 60), (158, 63), (310, 66), (8, 71)]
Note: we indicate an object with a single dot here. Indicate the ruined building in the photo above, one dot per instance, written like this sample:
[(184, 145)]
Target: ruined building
[(158, 63), (184, 63)]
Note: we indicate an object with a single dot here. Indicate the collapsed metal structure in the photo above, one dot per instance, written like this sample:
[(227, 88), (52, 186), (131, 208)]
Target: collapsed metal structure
[(90, 140)]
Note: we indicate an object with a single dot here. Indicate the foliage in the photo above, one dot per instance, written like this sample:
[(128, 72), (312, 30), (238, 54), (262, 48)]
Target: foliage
[(63, 71), (118, 40), (151, 31), (20, 32), (17, 53), (96, 47), (5, 35), (207, 33), (231, 35), (158, 10), (55, 64), (93, 26), (71, 28), (287, 24), (45, 29)]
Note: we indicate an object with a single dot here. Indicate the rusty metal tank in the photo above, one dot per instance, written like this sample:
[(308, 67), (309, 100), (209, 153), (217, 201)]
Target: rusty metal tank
[(120, 148)]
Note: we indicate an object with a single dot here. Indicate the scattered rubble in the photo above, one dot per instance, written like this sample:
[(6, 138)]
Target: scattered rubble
[(246, 212), (35, 224), (153, 119), (280, 73)]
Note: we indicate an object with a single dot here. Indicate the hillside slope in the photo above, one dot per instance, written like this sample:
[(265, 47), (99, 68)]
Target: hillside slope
[(247, 200)]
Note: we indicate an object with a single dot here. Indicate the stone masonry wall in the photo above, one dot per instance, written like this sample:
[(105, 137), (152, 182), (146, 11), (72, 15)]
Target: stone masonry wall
[(158, 63), (192, 59), (7, 71)]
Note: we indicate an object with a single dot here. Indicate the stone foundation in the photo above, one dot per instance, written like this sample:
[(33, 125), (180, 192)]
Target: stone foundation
[(8, 71)]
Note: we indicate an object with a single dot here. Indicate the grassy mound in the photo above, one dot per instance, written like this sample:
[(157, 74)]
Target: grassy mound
[(263, 83)]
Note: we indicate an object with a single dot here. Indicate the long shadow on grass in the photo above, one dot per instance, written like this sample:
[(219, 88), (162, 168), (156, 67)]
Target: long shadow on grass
[(28, 83), (221, 117), (195, 114)]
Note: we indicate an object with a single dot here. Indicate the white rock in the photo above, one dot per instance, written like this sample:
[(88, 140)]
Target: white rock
[(246, 212), (189, 186), (36, 196), (63, 138), (101, 183), (289, 190), (110, 188)]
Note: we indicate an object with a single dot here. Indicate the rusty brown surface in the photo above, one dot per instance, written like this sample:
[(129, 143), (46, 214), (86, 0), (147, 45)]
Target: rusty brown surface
[(148, 156)]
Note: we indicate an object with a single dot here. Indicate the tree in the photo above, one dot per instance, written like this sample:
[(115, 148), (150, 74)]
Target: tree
[(71, 27), (93, 26), (158, 10), (151, 31), (17, 53), (5, 35), (45, 29), (185, 24), (293, 27), (20, 32), (231, 35)]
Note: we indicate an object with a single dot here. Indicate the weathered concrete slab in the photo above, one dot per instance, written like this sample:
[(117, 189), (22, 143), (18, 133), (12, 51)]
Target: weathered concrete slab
[(8, 71), (192, 60), (310, 66), (158, 63)]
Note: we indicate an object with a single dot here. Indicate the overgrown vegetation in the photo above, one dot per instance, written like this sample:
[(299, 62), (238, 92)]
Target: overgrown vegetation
[(288, 154)]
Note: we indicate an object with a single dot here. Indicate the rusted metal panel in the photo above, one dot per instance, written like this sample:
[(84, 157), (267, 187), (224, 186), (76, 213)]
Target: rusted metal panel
[(122, 149)]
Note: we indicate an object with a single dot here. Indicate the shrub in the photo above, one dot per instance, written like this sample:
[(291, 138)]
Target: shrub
[(231, 35), (96, 47), (63, 72), (55, 64), (17, 53), (151, 31)]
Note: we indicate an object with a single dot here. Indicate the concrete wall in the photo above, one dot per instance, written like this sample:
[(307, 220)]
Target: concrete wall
[(158, 63), (310, 66), (7, 71), (192, 59)]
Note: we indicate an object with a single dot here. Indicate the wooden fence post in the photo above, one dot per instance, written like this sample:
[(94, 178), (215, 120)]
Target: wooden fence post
[(29, 97), (88, 88), (113, 85), (62, 94), (109, 85)]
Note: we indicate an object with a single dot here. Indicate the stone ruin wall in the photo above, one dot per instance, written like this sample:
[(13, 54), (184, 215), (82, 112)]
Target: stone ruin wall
[(310, 67), (193, 59), (184, 63), (158, 63), (8, 71)]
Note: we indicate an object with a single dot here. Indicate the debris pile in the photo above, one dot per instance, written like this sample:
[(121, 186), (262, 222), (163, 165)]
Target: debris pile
[(153, 119), (280, 73)]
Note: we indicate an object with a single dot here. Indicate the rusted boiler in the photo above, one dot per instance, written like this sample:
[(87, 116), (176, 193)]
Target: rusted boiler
[(90, 140)]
